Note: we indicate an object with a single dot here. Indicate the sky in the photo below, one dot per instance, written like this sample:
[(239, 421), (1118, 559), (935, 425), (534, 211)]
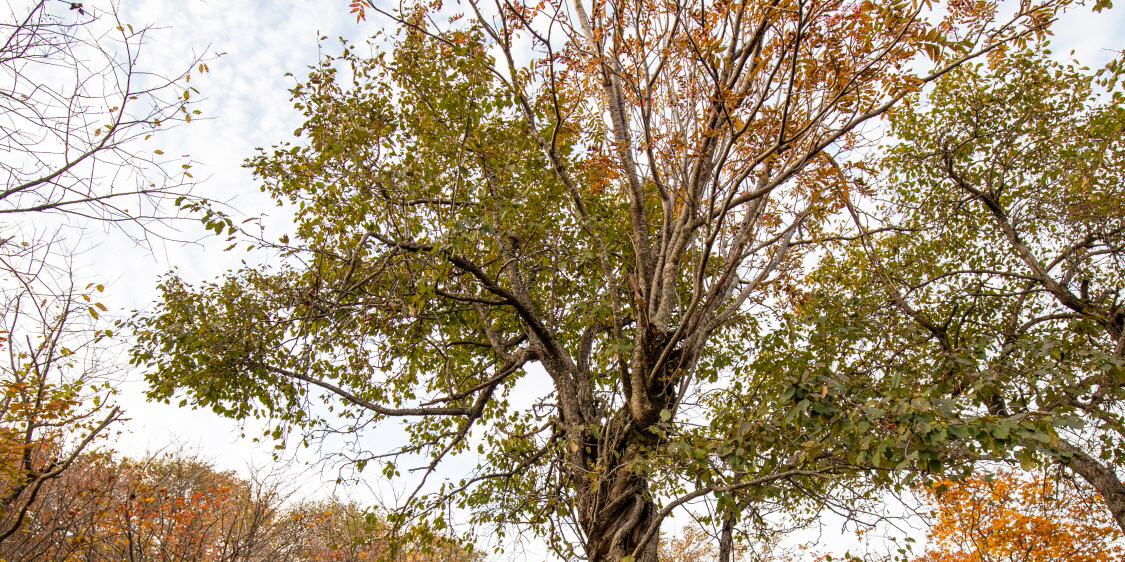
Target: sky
[(251, 47), (246, 105)]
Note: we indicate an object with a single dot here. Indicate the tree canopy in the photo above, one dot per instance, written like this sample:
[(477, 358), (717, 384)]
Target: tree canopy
[(604, 205), (987, 269)]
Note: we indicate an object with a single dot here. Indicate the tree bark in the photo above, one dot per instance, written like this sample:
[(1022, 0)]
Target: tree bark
[(1102, 478), (615, 503), (619, 510), (726, 539)]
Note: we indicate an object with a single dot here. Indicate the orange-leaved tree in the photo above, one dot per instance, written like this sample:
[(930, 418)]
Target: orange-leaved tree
[(179, 508), (339, 531), (165, 507), (1008, 517)]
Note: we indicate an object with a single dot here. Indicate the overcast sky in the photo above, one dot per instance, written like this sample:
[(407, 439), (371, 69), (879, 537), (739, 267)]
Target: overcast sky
[(247, 106)]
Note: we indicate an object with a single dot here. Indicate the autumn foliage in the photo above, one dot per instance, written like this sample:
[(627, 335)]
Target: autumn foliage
[(178, 508), (601, 199), (1012, 518), (54, 384)]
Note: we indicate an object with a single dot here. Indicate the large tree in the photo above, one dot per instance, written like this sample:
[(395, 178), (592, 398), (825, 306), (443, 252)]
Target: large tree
[(593, 202)]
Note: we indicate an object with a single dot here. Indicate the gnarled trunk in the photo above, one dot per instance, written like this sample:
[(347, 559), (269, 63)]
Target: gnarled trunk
[(616, 513)]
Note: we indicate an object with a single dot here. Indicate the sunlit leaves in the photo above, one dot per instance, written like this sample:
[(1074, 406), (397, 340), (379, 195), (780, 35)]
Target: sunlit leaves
[(1009, 516)]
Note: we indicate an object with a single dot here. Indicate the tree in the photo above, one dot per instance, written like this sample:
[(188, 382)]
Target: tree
[(1012, 518), (343, 532), (695, 545), (618, 212), (52, 402), (74, 106), (176, 507), (994, 280)]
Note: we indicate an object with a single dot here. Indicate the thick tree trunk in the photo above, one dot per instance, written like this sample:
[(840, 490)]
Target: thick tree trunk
[(617, 513), (616, 508), (1102, 478), (614, 500), (622, 529)]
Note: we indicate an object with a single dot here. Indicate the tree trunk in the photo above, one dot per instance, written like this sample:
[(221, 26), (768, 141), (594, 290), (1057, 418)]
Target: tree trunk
[(726, 539), (1102, 478), (616, 514), (615, 505)]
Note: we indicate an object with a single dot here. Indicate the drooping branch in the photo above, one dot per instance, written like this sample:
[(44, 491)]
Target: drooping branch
[(513, 364)]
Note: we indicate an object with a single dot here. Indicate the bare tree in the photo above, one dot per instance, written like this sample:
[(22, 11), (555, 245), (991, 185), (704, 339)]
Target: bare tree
[(74, 104)]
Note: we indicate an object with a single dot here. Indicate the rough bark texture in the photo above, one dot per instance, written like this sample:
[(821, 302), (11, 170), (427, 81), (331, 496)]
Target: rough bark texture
[(616, 508), (1102, 478)]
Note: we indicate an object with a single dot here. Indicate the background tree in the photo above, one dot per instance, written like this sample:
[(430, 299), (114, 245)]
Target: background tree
[(175, 507), (994, 282), (1013, 518), (693, 544), (52, 401), (76, 105), (75, 108), (616, 212), (338, 531)]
